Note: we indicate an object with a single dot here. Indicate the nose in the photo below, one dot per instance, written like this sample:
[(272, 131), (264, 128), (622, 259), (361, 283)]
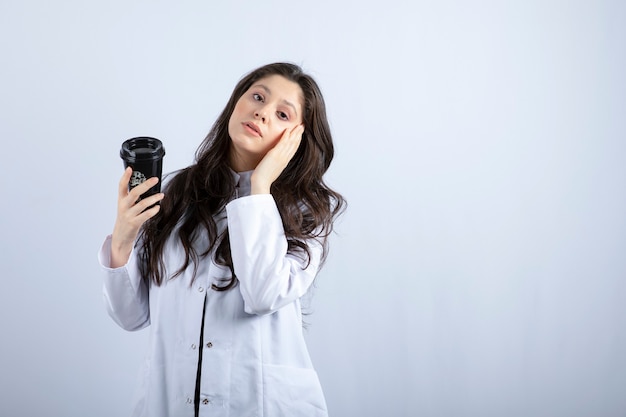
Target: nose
[(260, 114)]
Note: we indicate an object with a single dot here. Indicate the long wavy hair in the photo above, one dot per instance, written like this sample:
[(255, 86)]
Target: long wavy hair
[(198, 194)]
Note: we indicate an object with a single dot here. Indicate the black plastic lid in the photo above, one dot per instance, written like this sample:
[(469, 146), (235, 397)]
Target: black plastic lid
[(142, 148)]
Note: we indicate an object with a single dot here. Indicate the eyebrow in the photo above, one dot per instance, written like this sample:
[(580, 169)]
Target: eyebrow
[(287, 102)]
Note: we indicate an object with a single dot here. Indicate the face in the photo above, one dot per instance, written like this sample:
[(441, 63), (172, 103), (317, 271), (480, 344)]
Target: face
[(269, 107)]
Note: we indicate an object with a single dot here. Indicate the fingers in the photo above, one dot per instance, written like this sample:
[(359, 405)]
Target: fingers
[(142, 188), (129, 198), (295, 135), (145, 215), (132, 212), (132, 209), (290, 142), (123, 185), (140, 207), (131, 218), (276, 160)]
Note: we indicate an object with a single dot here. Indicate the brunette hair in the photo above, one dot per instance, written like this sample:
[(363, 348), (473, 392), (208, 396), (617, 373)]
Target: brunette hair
[(198, 193)]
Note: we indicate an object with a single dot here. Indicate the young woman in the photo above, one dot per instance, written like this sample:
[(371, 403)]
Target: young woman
[(218, 268)]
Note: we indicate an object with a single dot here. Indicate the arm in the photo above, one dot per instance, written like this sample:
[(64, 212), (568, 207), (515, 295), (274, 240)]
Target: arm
[(269, 277), (125, 293), (131, 214)]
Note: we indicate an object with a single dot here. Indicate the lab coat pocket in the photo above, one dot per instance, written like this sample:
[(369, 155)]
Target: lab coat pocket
[(293, 392)]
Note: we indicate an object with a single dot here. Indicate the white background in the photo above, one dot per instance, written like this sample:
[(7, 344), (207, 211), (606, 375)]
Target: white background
[(480, 268)]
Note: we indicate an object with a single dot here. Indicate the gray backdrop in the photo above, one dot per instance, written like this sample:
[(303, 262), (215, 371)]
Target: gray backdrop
[(479, 270)]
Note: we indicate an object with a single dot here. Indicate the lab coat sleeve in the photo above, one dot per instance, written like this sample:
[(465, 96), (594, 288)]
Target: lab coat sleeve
[(269, 277), (125, 292)]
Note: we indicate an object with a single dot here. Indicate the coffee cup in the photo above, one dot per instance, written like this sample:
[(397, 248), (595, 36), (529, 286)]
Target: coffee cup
[(145, 156)]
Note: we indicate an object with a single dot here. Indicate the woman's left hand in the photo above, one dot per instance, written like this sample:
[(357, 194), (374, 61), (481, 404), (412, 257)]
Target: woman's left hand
[(276, 160)]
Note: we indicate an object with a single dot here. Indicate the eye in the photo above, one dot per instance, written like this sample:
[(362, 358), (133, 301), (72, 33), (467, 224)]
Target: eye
[(257, 97), (282, 115)]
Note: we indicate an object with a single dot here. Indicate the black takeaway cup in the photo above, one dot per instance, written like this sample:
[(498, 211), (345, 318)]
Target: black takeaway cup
[(145, 156)]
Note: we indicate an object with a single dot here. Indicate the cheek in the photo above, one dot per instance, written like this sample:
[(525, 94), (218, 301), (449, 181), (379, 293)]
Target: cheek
[(234, 114), (230, 127), (232, 121), (239, 109), (267, 145), (271, 142)]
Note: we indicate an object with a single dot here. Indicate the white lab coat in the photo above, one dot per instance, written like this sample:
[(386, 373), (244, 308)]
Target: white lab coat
[(254, 360)]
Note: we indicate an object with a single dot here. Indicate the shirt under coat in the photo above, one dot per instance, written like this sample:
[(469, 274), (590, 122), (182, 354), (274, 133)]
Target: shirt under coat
[(254, 360)]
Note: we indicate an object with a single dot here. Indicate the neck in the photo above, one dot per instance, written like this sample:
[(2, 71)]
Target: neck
[(241, 162)]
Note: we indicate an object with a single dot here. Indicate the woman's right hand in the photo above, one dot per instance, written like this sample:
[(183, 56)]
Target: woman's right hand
[(131, 214)]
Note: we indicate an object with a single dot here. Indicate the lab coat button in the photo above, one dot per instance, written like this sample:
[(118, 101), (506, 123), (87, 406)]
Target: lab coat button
[(205, 401), (200, 289), (193, 346), (209, 345)]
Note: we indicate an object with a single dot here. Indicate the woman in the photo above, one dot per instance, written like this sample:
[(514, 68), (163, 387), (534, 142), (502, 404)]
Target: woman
[(218, 268)]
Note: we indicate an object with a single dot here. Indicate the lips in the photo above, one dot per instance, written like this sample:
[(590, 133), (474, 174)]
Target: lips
[(253, 128)]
